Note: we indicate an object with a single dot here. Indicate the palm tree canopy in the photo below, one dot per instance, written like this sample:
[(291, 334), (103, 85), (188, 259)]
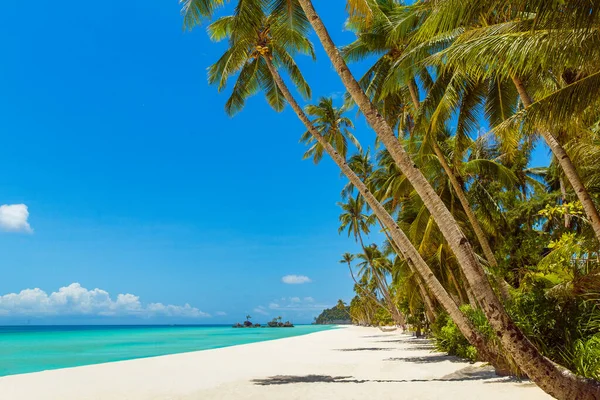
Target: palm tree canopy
[(332, 125)]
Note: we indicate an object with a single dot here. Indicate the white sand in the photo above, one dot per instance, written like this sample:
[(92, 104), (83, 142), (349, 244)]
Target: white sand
[(348, 363)]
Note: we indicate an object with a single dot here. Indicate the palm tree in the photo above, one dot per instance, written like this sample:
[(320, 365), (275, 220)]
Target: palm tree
[(362, 166), (374, 264), (356, 223), (347, 259), (373, 37), (354, 220), (546, 374), (537, 42), (333, 125), (487, 352)]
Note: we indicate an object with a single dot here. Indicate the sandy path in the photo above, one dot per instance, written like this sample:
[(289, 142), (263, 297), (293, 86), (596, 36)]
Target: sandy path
[(348, 363)]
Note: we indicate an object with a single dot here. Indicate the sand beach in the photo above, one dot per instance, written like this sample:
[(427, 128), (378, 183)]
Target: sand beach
[(345, 363)]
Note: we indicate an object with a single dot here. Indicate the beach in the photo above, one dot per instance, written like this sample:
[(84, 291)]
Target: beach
[(344, 363)]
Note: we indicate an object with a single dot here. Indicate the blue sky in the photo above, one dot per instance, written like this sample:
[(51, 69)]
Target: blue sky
[(136, 181)]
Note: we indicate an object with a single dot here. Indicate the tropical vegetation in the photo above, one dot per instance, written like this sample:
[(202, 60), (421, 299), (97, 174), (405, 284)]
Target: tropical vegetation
[(339, 314), (459, 236)]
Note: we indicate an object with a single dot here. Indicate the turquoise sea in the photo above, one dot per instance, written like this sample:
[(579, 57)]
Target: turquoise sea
[(36, 348)]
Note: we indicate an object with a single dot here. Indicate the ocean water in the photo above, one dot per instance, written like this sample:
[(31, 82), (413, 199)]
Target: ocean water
[(37, 348)]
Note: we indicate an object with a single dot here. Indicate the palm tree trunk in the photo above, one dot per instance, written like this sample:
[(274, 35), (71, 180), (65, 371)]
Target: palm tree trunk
[(459, 290), (503, 286), (485, 350), (541, 370), (563, 191), (396, 314), (566, 164), (429, 307), (365, 291), (430, 311)]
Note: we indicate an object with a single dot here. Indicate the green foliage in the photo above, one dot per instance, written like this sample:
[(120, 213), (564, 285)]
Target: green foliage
[(586, 357), (334, 314), (565, 329), (449, 339), (449, 50), (383, 317)]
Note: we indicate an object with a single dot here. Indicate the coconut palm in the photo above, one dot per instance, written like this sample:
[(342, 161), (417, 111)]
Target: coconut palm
[(354, 220), (333, 125), (389, 36), (548, 49), (546, 374), (357, 223), (487, 352), (348, 258), (374, 265), (362, 166)]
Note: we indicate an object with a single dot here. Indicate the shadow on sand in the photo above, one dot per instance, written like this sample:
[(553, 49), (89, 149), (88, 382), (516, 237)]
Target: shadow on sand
[(465, 374), (367, 349), (434, 358), (377, 336)]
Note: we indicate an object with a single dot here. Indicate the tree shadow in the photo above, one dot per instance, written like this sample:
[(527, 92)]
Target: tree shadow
[(288, 379), (394, 341), (367, 349), (421, 347), (476, 373), (376, 336), (434, 358), (465, 374)]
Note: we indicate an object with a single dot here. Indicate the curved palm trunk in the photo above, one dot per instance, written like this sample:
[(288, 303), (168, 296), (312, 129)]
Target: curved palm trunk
[(365, 291), (563, 191), (396, 314), (485, 350), (503, 286), (429, 307), (566, 164), (459, 290), (550, 377)]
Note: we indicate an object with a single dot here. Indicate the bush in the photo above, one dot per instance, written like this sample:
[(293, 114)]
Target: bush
[(565, 329), (383, 317), (449, 339), (586, 357)]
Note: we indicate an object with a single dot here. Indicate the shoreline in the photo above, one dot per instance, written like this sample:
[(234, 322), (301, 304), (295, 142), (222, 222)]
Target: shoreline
[(342, 362), (86, 346)]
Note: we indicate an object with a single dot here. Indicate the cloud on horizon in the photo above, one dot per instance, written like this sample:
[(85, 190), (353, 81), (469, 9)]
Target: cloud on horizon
[(14, 218), (295, 279), (75, 300), (260, 310), (296, 304)]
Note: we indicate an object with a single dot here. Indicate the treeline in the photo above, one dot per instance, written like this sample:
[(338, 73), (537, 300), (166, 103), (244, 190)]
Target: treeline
[(334, 315), (497, 259)]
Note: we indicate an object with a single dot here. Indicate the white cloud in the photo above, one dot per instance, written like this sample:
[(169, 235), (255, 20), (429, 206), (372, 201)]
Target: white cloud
[(260, 310), (295, 279), (220, 313), (13, 218), (297, 304), (74, 300)]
